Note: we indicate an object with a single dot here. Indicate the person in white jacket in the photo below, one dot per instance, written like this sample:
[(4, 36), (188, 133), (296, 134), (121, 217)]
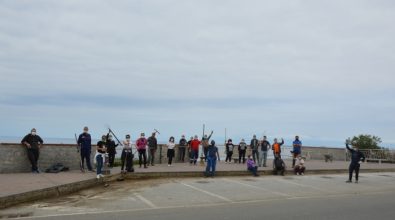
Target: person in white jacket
[(170, 150)]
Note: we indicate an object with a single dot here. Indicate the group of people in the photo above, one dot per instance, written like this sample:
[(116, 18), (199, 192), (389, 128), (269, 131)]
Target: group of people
[(106, 149)]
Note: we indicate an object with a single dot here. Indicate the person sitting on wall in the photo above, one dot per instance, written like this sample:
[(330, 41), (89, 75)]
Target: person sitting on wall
[(278, 165), (251, 166), (299, 168)]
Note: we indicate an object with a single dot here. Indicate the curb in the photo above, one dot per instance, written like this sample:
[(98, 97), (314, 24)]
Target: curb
[(12, 200)]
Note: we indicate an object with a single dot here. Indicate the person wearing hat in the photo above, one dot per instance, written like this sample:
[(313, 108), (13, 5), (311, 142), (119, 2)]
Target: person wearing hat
[(141, 145), (254, 147), (229, 151), (33, 143), (152, 146), (182, 145), (111, 150), (212, 156), (127, 155), (242, 150), (85, 143)]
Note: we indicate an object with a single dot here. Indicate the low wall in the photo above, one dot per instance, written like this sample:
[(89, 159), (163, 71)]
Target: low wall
[(13, 157)]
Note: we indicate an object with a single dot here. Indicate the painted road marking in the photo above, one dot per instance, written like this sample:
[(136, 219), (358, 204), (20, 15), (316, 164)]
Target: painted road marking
[(146, 201), (257, 187), (207, 192), (303, 185)]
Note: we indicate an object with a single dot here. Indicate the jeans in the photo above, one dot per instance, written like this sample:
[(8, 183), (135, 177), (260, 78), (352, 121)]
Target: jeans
[(255, 155), (210, 168), (262, 158), (99, 164), (253, 170), (33, 155)]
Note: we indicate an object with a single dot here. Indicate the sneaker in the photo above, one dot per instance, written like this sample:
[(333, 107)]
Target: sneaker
[(168, 165), (101, 175), (348, 181), (302, 174), (98, 176), (37, 171), (297, 174), (356, 181)]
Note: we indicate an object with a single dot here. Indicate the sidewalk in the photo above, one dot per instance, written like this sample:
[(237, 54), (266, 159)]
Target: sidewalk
[(22, 187)]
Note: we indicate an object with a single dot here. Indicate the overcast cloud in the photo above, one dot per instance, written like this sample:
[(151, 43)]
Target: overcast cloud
[(320, 69)]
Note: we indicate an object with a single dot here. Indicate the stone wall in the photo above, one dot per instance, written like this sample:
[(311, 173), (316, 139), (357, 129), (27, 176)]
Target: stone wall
[(13, 157)]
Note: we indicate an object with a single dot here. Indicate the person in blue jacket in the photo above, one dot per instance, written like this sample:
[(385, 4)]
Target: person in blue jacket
[(297, 150), (356, 158), (85, 143)]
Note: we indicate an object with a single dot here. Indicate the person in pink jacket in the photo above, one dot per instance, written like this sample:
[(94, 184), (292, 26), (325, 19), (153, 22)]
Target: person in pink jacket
[(141, 145)]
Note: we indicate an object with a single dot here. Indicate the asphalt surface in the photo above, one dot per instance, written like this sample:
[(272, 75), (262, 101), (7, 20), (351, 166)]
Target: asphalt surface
[(276, 197)]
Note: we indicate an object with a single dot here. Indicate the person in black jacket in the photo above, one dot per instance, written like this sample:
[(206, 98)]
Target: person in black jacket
[(111, 150), (33, 144), (356, 158), (85, 143), (152, 146), (182, 147)]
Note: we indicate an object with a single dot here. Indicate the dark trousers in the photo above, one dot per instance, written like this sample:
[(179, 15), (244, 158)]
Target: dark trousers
[(33, 155), (127, 156), (170, 155), (86, 156), (354, 166), (151, 156), (229, 156), (242, 155), (194, 156), (279, 170), (253, 170), (111, 157), (299, 169), (181, 153), (142, 155)]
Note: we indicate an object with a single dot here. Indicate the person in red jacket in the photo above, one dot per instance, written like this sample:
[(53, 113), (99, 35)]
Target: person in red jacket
[(195, 143), (141, 145)]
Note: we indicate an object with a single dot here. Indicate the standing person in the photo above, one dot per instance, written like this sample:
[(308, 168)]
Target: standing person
[(205, 143), (85, 142), (33, 143), (127, 155), (212, 156), (297, 150), (195, 143), (254, 147), (190, 148), (251, 166), (242, 150), (277, 147), (229, 151), (170, 151), (264, 147), (153, 147), (141, 145), (300, 167), (111, 150), (100, 156), (278, 165), (181, 148), (356, 158)]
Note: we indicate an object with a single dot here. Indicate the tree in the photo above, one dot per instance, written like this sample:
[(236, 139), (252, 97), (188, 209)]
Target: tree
[(365, 141)]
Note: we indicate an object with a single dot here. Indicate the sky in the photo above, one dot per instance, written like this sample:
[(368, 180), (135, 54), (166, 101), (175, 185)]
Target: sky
[(323, 70)]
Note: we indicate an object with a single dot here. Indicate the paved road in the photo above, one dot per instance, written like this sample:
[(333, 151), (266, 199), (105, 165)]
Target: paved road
[(292, 197)]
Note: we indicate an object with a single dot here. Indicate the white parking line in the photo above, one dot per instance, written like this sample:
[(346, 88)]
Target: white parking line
[(257, 187), (303, 185), (208, 193), (146, 201)]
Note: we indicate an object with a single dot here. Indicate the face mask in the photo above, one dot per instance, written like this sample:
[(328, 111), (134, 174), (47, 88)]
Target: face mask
[(33, 133), (128, 139)]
